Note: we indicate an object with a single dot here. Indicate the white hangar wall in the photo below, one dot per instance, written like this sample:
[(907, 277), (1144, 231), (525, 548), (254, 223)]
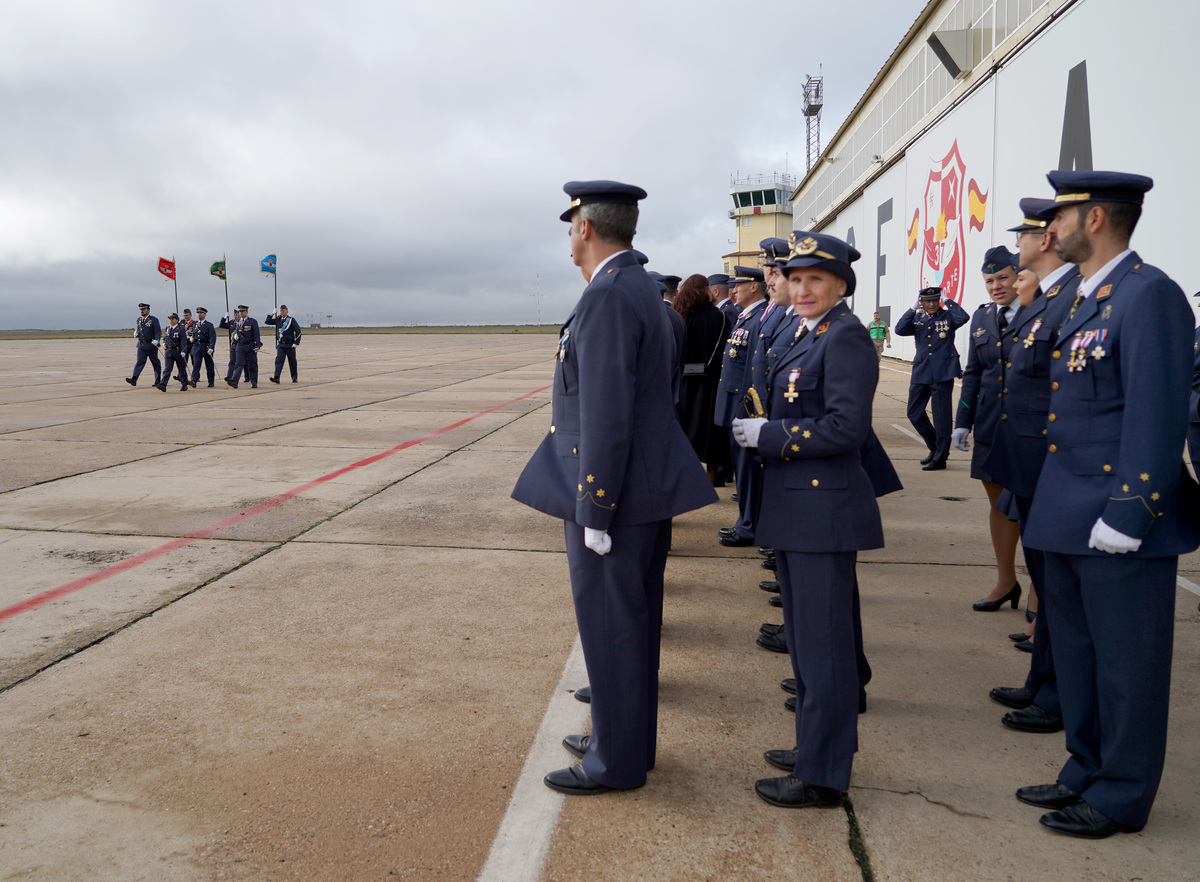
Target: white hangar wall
[(931, 215)]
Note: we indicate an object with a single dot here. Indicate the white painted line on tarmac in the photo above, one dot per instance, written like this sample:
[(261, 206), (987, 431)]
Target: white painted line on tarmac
[(910, 434), (884, 367), (520, 847), (1190, 586)]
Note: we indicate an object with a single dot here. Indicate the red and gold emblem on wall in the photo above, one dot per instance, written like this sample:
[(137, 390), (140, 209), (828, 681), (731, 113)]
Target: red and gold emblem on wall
[(938, 224)]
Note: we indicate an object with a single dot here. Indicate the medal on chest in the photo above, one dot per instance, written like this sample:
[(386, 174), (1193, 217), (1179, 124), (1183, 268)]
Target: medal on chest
[(791, 394), (1032, 332), (1082, 349), (561, 355)]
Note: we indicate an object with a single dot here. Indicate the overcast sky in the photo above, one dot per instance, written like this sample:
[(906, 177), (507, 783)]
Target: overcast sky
[(404, 161)]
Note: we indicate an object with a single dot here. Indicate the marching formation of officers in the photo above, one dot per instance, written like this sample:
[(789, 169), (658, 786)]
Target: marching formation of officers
[(1076, 389), (189, 344)]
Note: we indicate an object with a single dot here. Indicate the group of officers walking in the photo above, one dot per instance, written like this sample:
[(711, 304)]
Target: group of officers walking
[(188, 344), (1076, 389)]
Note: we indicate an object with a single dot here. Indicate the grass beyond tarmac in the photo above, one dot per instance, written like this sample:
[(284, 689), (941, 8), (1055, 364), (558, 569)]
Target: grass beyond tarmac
[(37, 334)]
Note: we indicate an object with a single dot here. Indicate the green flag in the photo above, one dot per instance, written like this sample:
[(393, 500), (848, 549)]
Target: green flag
[(217, 269)]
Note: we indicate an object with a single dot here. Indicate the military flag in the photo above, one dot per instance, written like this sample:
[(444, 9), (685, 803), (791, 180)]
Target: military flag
[(218, 268), (268, 264), (167, 268)]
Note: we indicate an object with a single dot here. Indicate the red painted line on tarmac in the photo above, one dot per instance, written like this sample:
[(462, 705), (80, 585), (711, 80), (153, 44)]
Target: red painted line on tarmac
[(175, 544)]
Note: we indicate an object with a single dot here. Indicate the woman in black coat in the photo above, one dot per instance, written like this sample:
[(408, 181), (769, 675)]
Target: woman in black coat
[(707, 331)]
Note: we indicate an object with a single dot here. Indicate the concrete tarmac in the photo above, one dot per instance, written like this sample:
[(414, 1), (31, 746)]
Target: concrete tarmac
[(302, 632)]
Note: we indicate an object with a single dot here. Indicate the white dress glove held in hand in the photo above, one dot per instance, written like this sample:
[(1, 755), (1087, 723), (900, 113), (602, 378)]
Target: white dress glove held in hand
[(959, 439), (1105, 538), (597, 540), (745, 432)]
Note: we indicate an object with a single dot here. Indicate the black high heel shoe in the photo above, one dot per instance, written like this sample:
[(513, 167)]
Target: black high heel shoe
[(1013, 597)]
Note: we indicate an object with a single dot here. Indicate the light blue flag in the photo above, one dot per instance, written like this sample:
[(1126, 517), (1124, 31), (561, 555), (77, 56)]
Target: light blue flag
[(268, 264)]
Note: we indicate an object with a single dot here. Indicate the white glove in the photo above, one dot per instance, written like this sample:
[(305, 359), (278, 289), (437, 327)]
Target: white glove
[(959, 439), (597, 540), (210, 352), (158, 343), (745, 432), (1105, 538), (226, 316)]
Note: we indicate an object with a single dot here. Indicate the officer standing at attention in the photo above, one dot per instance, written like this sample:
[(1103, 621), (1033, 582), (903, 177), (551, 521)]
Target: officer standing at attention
[(979, 408), (287, 338), (230, 325), (1113, 509), (173, 342), (188, 339), (935, 366), (248, 344), (819, 512), (615, 467), (146, 332), (202, 349), (1019, 445), (735, 381)]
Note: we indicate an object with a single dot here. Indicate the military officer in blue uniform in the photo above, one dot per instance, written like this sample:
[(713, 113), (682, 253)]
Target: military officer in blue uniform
[(773, 253), (229, 325), (1019, 442), (287, 338), (186, 322), (1114, 507), (731, 390), (979, 411), (819, 512), (172, 344), (204, 342), (718, 289), (1193, 432), (248, 342), (615, 467), (935, 367), (147, 333)]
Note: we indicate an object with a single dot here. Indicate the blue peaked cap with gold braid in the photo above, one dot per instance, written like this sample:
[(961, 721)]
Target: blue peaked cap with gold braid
[(823, 252), (587, 192)]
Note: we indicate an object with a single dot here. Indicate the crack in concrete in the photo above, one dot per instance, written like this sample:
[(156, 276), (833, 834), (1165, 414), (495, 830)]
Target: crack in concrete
[(945, 805)]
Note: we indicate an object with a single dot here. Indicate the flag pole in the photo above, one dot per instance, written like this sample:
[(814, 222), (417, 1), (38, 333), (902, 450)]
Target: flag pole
[(175, 282), (275, 276), (226, 281)]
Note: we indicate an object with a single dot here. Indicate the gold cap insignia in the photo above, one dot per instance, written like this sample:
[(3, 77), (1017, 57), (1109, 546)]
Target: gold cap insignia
[(1073, 197), (575, 203), (805, 246)]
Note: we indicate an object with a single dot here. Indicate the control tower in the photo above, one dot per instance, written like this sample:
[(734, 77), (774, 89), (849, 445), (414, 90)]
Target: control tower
[(762, 209)]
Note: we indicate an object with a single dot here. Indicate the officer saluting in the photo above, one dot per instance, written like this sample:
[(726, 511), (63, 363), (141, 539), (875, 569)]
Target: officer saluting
[(934, 369), (146, 332), (1114, 507), (616, 467), (245, 335)]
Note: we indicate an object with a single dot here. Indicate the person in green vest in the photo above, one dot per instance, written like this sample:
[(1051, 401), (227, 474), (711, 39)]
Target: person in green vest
[(880, 333)]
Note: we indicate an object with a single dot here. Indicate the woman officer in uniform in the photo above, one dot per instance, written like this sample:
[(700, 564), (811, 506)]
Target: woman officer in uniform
[(818, 512)]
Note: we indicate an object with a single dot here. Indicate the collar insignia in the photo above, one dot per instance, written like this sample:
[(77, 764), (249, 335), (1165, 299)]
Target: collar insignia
[(1104, 292), (824, 327)]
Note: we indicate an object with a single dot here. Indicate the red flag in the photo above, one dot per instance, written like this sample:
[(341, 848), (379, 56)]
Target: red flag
[(166, 267)]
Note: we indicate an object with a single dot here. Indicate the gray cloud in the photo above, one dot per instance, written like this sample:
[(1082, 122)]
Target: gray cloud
[(405, 164)]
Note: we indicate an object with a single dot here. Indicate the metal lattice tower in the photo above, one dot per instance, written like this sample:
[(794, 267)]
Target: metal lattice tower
[(814, 100)]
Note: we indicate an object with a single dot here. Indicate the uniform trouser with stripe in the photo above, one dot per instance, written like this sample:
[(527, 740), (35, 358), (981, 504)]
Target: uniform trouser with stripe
[(1113, 619), (618, 608), (818, 591), (936, 434)]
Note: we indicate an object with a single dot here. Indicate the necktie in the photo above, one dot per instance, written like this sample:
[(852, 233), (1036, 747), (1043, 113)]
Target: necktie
[(803, 332), (1002, 319), (1075, 305)]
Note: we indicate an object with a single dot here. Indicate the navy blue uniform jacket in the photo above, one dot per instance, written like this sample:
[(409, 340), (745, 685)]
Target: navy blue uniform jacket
[(679, 335), (206, 335), (1194, 405), (735, 368), (285, 330), (1019, 445), (615, 453), (147, 331), (983, 379), (1116, 425), (247, 333), (937, 359), (816, 495)]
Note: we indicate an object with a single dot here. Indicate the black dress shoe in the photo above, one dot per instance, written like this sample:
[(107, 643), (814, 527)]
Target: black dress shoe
[(773, 642), (1024, 646), (736, 541), (1012, 696), (766, 552), (769, 564), (789, 704), (1085, 822), (788, 685), (782, 759), (770, 629), (132, 381), (577, 744), (1018, 637), (772, 585), (274, 380), (775, 600), (727, 531), (1032, 719), (161, 387), (584, 694), (928, 459), (733, 496), (1013, 597), (934, 466), (791, 792), (1051, 796), (232, 383), (574, 781)]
